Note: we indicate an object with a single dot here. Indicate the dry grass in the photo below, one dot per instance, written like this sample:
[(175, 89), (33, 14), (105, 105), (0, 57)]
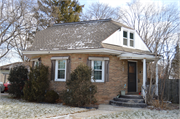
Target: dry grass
[(163, 105)]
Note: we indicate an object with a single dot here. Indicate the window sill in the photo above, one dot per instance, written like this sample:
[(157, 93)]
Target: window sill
[(96, 81), (128, 46), (63, 80)]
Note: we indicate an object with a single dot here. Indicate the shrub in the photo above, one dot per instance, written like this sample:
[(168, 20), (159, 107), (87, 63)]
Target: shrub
[(51, 96), (37, 85), (79, 89), (17, 77)]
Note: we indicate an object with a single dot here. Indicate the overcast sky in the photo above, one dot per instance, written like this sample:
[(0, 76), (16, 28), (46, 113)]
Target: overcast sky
[(113, 3)]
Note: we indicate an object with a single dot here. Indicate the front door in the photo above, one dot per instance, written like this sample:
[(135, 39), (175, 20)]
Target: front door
[(131, 76)]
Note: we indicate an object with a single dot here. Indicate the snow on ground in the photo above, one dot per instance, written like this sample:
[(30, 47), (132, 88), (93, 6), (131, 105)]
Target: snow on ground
[(13, 108), (140, 114)]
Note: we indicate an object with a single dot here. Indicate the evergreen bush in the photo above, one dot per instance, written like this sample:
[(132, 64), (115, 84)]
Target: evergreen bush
[(79, 89), (17, 77), (51, 96), (37, 85)]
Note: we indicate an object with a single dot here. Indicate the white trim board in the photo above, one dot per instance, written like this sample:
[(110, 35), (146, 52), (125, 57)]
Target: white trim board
[(98, 58), (100, 50), (59, 58)]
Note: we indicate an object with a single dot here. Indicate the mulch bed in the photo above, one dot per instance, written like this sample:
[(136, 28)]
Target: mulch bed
[(92, 106)]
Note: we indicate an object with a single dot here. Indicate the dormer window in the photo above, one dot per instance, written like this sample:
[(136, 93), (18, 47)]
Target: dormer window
[(125, 38), (128, 38), (131, 39)]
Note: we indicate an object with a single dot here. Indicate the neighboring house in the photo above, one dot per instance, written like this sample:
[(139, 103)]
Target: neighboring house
[(115, 52), (5, 69)]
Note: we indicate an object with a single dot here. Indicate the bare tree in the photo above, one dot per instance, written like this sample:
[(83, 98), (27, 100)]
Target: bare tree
[(11, 20), (15, 21), (26, 34), (98, 11), (23, 40), (175, 64), (157, 26)]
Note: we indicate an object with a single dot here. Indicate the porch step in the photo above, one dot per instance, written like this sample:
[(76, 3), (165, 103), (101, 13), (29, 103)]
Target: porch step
[(129, 100), (127, 104), (132, 96), (132, 93)]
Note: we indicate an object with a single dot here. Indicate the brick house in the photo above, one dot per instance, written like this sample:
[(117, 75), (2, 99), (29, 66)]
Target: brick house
[(114, 51)]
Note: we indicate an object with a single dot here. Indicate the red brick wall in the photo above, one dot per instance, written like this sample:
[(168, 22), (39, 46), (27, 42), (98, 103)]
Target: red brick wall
[(118, 70)]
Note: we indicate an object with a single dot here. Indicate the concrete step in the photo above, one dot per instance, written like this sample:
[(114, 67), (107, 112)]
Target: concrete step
[(129, 100), (127, 104), (132, 96), (132, 93)]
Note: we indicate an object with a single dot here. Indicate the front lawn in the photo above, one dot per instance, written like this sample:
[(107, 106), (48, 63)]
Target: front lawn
[(13, 108), (140, 113)]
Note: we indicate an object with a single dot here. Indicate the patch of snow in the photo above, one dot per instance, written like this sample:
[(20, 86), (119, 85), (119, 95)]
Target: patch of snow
[(55, 49), (79, 36), (43, 49), (19, 109), (79, 43), (139, 114)]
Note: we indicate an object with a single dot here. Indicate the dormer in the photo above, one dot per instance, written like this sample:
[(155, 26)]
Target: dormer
[(128, 38)]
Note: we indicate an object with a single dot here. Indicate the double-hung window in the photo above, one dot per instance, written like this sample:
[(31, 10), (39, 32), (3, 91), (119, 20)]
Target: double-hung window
[(131, 39), (128, 38), (36, 62), (98, 70), (60, 70), (125, 38)]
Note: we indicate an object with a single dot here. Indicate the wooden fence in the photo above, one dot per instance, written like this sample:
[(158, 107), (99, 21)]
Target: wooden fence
[(171, 89)]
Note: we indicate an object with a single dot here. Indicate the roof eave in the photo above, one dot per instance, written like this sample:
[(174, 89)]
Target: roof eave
[(93, 51)]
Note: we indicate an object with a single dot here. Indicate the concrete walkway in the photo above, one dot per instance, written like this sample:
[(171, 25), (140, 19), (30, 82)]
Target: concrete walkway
[(103, 109)]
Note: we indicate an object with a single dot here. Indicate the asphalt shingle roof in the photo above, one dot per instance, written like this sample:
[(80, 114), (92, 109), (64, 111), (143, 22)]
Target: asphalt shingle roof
[(77, 35)]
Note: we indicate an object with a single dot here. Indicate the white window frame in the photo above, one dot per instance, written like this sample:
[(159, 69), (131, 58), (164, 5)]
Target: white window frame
[(128, 38), (125, 37), (36, 60), (131, 39), (56, 70), (35, 63), (92, 66)]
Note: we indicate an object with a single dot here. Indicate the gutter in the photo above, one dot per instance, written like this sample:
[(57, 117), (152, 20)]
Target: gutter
[(100, 50), (120, 54)]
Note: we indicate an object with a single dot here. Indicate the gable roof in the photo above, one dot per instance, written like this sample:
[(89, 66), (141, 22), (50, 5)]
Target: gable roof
[(79, 36), (75, 35), (9, 66)]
